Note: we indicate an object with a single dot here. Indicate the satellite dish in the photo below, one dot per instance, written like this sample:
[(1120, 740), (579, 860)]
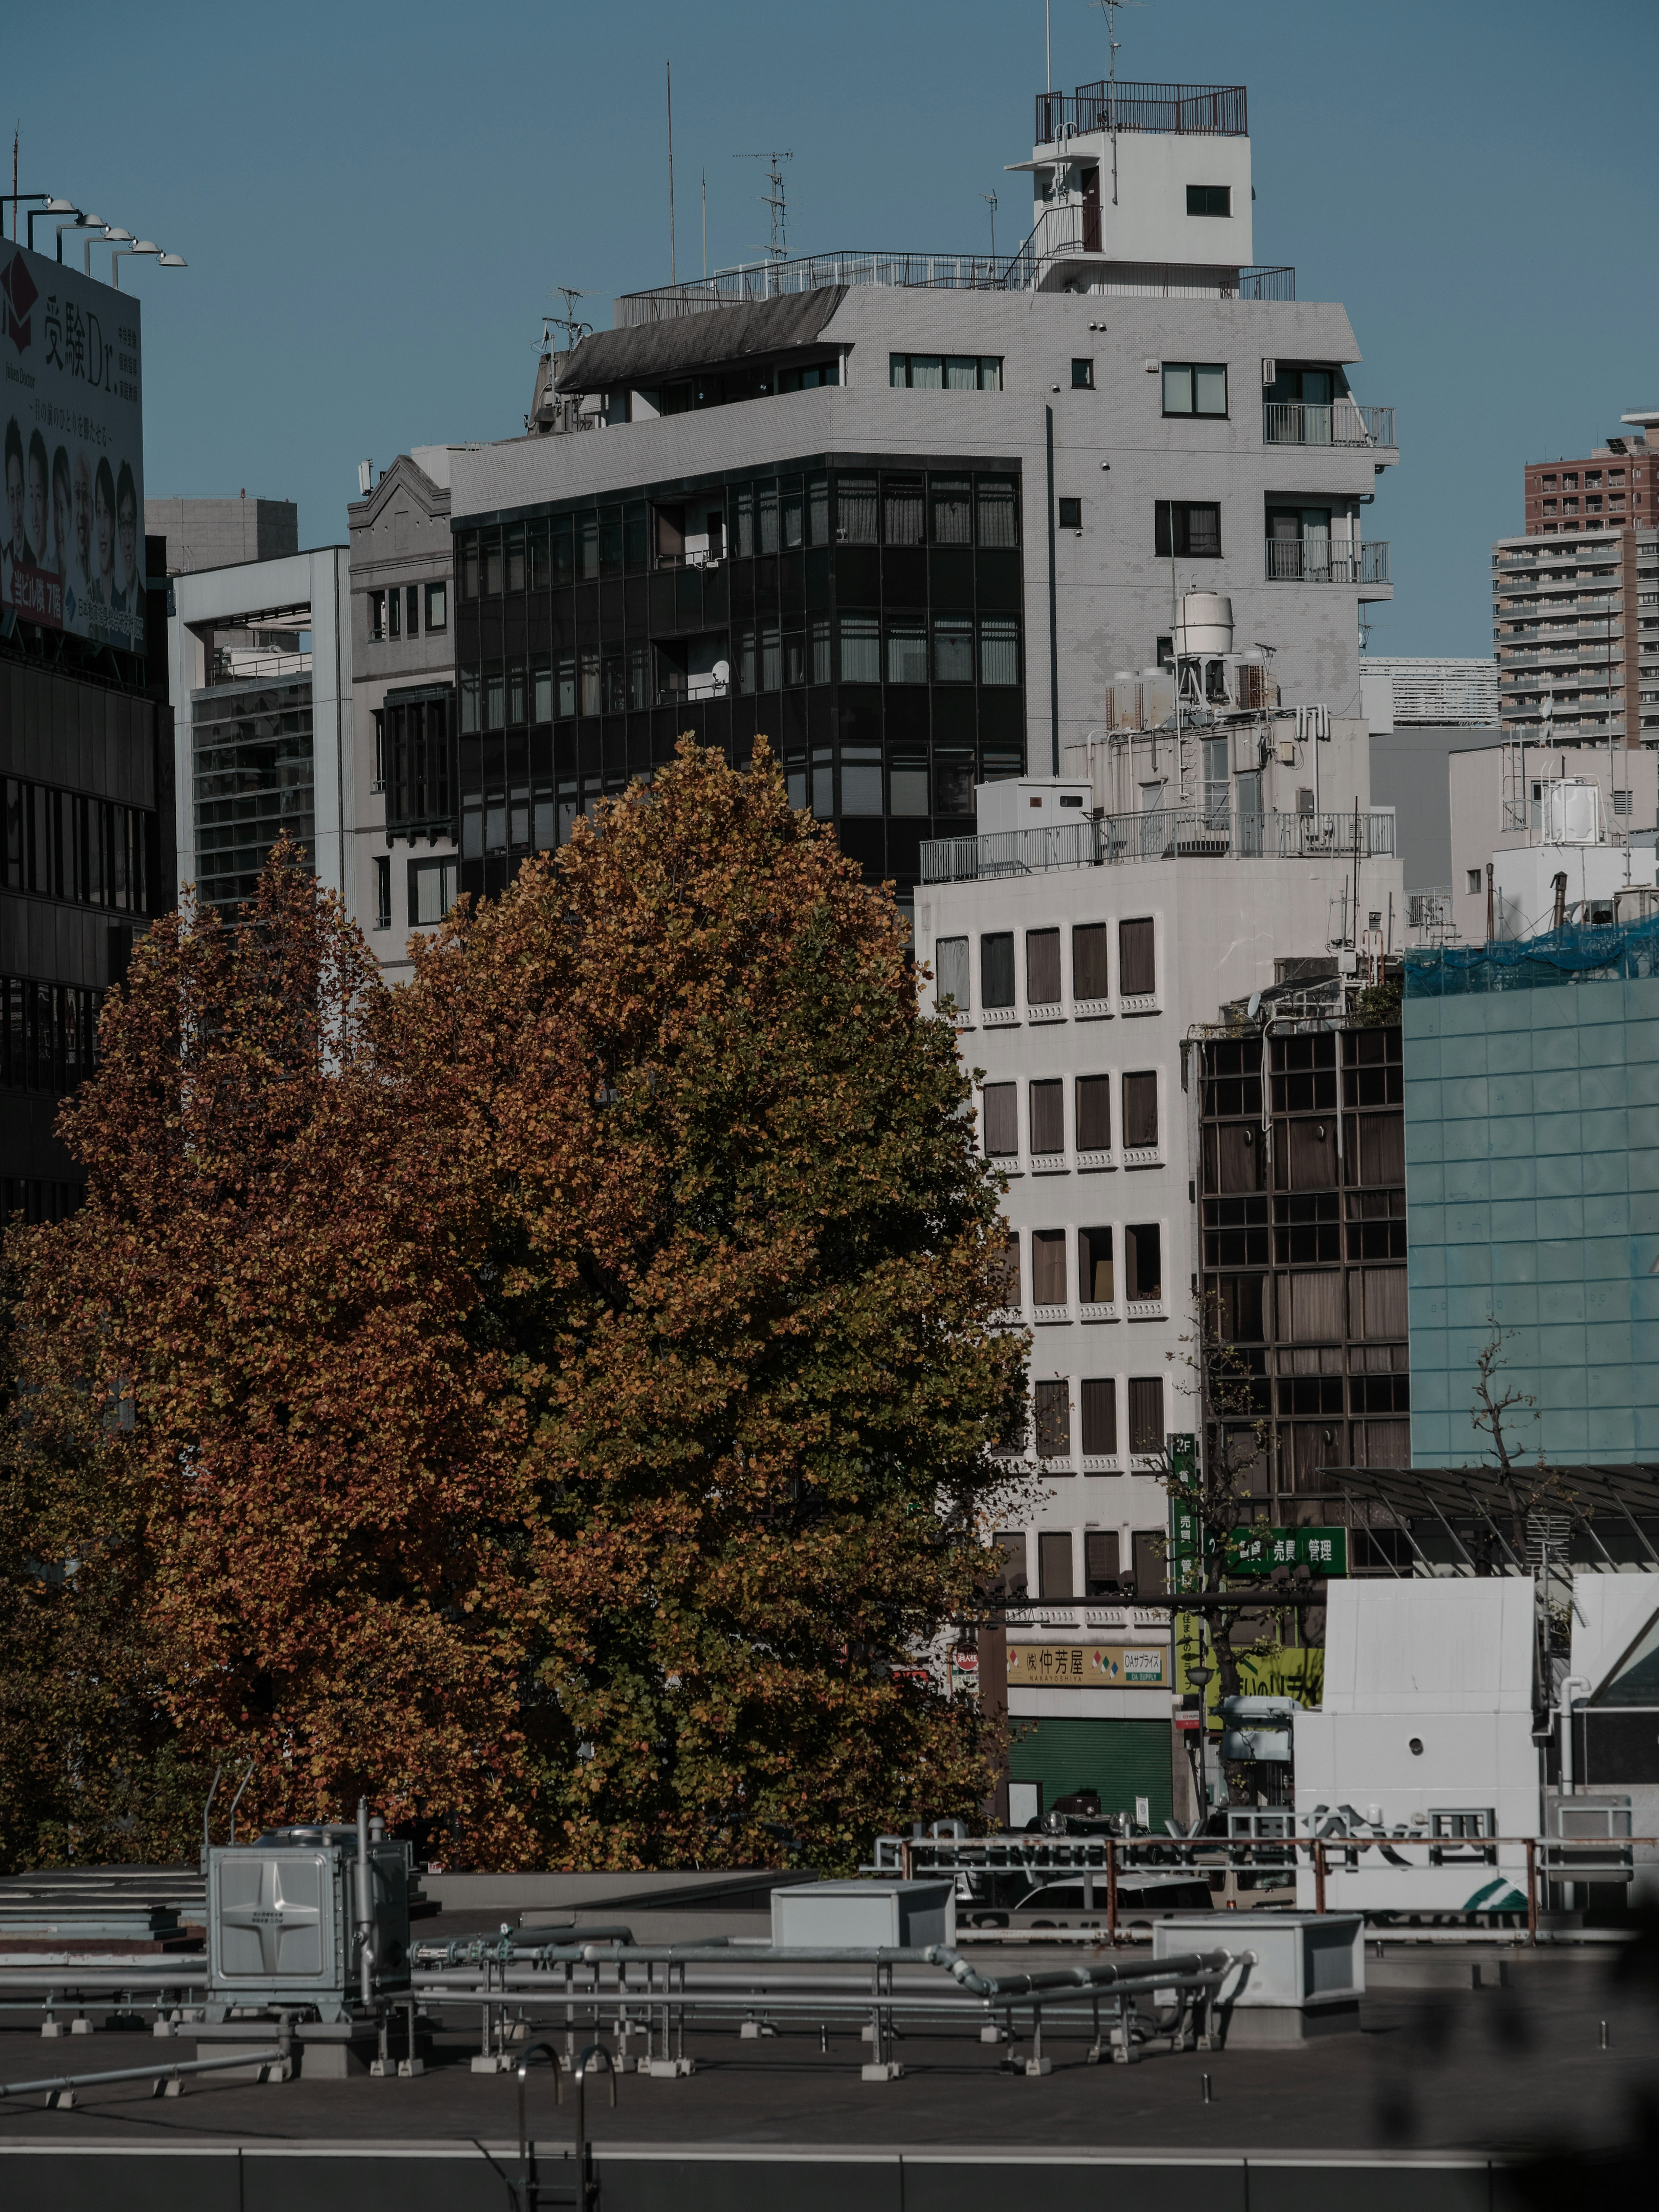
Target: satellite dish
[(722, 671)]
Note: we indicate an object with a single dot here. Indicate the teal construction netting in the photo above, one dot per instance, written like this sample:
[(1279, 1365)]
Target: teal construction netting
[(1577, 954)]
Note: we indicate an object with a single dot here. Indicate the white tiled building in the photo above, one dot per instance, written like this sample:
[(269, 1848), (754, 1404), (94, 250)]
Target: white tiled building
[(1079, 953)]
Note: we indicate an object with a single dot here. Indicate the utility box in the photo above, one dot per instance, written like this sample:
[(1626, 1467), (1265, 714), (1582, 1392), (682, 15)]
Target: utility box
[(282, 1918), (1306, 1980), (865, 1915)]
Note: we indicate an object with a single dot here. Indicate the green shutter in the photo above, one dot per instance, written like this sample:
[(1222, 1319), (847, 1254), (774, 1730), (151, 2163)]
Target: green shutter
[(1122, 1759)]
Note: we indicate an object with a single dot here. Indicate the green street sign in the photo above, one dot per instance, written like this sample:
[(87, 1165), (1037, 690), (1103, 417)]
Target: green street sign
[(1252, 1552)]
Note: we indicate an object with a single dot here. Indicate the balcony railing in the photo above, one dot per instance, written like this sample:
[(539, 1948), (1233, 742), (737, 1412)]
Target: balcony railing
[(1328, 561), (1160, 833), (1205, 111), (1338, 423)]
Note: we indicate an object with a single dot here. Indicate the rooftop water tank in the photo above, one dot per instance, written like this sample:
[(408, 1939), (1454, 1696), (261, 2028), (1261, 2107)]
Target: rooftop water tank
[(1207, 623)]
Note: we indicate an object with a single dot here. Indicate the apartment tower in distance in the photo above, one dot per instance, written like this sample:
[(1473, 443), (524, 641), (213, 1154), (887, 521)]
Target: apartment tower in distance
[(1576, 597)]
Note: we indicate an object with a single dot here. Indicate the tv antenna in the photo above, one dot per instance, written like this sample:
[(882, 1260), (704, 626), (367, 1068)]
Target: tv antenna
[(990, 200), (1109, 8), (570, 323), (773, 199)]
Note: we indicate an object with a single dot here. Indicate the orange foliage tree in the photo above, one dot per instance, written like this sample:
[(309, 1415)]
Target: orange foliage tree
[(292, 1463), (747, 1271), (557, 1397)]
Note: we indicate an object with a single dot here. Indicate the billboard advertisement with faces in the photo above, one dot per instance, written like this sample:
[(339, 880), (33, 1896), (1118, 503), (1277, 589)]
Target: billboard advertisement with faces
[(71, 411)]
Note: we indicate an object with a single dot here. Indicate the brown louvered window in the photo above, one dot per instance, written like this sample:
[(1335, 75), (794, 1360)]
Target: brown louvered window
[(1001, 1120), (1145, 1413), (1094, 1113), (1137, 972), (1053, 1405), (1141, 1111), (1049, 1267), (1055, 1564), (1042, 967), (1089, 976), (1049, 1117), (1100, 1416)]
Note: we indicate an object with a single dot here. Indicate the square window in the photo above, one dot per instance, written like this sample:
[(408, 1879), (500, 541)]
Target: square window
[(907, 653), (860, 781), (953, 649), (1209, 199), (432, 888), (953, 790), (1071, 514), (907, 788), (1082, 375), (999, 651)]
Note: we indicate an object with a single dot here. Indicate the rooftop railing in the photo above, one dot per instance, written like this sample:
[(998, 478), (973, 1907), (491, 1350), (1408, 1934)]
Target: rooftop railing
[(1206, 111), (1338, 423), (1159, 833), (1059, 236)]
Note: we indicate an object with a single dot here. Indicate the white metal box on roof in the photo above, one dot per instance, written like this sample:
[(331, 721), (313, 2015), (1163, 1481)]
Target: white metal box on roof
[(864, 1915)]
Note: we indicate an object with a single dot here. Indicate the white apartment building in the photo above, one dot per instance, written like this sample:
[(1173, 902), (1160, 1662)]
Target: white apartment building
[(1170, 871)]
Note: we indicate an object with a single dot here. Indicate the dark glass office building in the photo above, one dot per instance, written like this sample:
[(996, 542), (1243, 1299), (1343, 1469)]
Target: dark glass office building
[(864, 613)]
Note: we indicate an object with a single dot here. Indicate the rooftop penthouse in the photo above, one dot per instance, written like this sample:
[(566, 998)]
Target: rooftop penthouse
[(1156, 234)]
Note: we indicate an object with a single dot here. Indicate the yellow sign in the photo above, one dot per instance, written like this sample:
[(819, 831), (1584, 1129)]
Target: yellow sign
[(1089, 1666)]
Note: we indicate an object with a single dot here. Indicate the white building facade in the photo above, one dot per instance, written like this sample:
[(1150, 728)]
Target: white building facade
[(1076, 956)]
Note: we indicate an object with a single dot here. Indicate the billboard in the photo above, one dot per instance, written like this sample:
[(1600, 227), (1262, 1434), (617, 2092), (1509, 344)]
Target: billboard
[(71, 411)]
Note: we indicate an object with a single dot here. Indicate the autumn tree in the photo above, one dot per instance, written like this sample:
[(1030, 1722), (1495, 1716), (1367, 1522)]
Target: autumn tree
[(744, 1275), (277, 1449)]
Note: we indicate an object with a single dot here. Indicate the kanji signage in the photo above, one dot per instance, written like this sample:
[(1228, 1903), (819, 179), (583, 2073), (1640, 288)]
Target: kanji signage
[(1088, 1666), (1258, 1551), (72, 555)]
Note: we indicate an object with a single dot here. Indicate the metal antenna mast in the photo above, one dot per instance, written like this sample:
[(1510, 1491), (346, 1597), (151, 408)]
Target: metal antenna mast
[(1109, 8), (990, 200), (569, 322), (773, 199)]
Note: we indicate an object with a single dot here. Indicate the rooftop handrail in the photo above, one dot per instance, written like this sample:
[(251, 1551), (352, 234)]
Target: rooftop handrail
[(1210, 111), (1057, 236), (1158, 834)]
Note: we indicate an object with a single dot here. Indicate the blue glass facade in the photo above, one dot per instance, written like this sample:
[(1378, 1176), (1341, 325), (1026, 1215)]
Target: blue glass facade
[(1532, 1184)]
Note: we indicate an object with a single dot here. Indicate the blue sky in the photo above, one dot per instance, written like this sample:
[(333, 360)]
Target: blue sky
[(376, 202)]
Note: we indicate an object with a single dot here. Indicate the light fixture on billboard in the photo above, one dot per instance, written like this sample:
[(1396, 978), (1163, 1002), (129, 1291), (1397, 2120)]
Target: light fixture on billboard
[(142, 245), (113, 236), (51, 207), (80, 223)]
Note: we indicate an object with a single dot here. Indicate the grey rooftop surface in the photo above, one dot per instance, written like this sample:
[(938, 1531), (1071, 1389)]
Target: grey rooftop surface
[(1441, 2099)]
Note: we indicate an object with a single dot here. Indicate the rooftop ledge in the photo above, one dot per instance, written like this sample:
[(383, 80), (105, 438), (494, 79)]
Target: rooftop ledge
[(1160, 833)]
